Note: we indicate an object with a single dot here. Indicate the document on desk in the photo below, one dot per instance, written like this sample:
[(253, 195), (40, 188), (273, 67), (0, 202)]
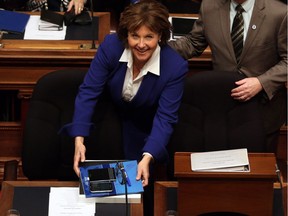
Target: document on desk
[(32, 31), (66, 201), (235, 160)]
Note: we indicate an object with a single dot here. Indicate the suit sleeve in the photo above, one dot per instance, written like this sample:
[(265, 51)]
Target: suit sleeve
[(194, 43), (166, 114), (275, 77)]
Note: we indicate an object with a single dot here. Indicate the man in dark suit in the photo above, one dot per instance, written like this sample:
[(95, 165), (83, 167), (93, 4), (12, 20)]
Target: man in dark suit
[(264, 55)]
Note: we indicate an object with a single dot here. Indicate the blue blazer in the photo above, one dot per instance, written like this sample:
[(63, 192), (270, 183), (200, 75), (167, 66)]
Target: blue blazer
[(148, 119)]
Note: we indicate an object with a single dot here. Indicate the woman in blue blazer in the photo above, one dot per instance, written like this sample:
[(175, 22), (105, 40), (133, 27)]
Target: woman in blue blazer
[(145, 79)]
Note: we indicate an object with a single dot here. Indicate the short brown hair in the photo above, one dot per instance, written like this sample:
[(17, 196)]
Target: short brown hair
[(150, 13)]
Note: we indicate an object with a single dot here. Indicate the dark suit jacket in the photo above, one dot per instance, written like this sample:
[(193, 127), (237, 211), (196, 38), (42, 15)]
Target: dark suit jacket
[(264, 54), (148, 119)]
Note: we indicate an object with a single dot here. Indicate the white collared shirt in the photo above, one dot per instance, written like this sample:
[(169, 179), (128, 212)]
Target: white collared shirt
[(130, 86), (248, 7)]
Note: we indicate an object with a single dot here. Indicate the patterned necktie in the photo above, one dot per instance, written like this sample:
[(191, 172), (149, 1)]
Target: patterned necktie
[(238, 32)]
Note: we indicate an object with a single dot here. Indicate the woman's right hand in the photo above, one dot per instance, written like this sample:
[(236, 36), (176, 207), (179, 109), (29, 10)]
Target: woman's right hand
[(79, 153)]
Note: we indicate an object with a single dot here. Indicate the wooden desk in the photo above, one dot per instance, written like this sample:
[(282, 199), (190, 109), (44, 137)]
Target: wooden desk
[(6, 198), (161, 196), (248, 193), (165, 198), (23, 62)]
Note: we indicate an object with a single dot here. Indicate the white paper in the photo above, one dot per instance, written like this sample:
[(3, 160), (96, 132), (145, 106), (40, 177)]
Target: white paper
[(66, 201), (47, 26), (32, 31), (235, 160)]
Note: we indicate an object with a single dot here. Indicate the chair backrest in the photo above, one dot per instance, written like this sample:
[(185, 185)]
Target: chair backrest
[(49, 155), (210, 119)]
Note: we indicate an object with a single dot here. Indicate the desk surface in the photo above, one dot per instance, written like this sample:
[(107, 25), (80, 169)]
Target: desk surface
[(23, 62), (7, 193), (55, 49)]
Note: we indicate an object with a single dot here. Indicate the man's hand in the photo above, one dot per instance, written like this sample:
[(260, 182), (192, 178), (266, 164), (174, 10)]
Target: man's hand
[(247, 88)]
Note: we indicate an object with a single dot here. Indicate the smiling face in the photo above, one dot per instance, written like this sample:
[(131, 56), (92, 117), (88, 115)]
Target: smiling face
[(142, 43)]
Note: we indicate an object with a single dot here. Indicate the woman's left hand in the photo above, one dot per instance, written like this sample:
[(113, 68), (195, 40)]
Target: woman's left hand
[(143, 170), (78, 6)]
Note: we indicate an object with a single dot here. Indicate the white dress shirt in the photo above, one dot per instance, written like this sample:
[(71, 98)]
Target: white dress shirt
[(130, 86)]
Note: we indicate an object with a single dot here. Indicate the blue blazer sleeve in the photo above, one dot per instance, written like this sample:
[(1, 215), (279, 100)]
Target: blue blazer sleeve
[(173, 71), (101, 68)]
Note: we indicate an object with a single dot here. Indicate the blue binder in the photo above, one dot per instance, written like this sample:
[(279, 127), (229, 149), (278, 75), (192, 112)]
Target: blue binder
[(13, 22)]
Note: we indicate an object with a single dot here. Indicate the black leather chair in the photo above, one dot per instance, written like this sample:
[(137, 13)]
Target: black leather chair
[(210, 119), (47, 154)]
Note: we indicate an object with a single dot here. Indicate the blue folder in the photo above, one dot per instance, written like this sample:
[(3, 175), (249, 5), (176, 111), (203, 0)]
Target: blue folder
[(118, 188), (13, 22)]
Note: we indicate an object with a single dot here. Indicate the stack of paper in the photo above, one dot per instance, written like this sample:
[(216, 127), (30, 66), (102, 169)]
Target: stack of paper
[(66, 201), (32, 32), (235, 160), (47, 26)]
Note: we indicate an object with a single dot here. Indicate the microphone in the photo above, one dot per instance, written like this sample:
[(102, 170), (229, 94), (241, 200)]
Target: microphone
[(93, 46), (124, 174), (125, 181)]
